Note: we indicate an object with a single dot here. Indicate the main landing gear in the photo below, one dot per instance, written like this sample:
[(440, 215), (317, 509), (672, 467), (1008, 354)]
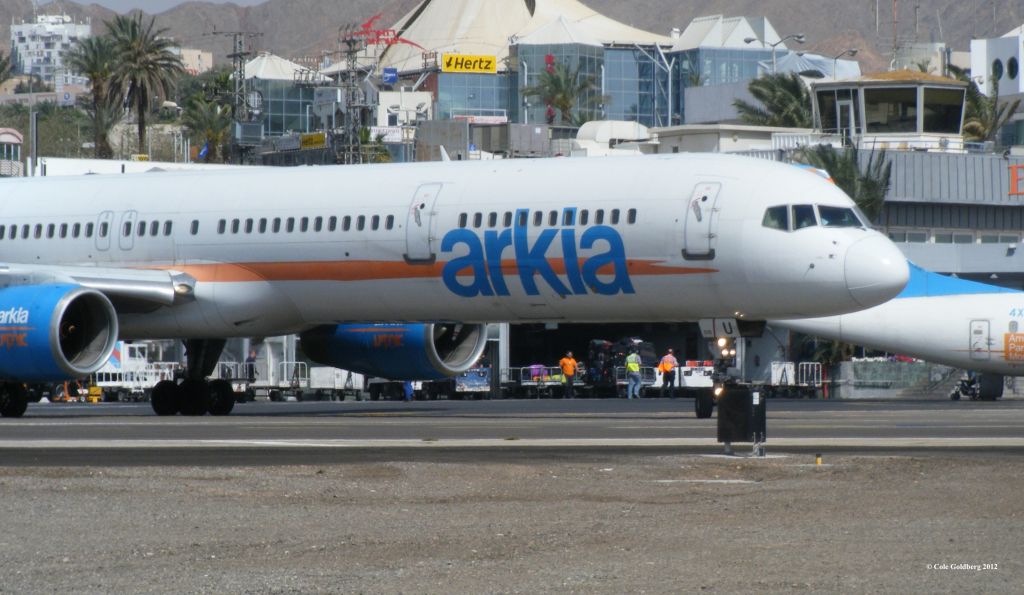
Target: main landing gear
[(13, 399), (195, 395)]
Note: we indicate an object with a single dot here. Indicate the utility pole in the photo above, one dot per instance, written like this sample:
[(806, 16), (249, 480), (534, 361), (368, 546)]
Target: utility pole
[(239, 54), (350, 45)]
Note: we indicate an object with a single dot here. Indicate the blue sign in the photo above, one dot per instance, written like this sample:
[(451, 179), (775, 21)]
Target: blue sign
[(390, 76), (598, 251)]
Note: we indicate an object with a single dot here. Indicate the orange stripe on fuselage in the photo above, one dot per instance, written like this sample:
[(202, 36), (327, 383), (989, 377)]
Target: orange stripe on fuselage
[(378, 270)]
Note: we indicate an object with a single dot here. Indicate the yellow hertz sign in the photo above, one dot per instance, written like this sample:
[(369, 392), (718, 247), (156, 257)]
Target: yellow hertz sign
[(314, 140), (469, 64)]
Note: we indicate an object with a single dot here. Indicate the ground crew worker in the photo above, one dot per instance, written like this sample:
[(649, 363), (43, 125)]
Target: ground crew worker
[(568, 365), (668, 373), (633, 375)]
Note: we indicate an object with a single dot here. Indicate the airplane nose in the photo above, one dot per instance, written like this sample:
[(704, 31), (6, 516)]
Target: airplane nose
[(876, 270)]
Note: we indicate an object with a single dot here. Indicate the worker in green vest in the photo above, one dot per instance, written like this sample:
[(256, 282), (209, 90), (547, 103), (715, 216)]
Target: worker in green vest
[(633, 375)]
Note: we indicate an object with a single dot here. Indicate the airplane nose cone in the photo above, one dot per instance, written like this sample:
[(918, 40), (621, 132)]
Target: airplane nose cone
[(876, 270)]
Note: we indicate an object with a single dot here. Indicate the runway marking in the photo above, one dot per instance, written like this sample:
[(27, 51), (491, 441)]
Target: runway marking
[(418, 443), (704, 481)]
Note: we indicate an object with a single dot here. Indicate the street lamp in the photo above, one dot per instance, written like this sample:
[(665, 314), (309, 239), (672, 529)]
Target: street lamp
[(797, 37), (835, 59)]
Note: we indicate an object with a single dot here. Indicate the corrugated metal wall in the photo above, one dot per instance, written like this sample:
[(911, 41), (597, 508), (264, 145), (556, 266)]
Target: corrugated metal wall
[(950, 178)]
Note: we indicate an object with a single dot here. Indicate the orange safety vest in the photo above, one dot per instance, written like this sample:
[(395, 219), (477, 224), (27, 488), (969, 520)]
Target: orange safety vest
[(568, 366)]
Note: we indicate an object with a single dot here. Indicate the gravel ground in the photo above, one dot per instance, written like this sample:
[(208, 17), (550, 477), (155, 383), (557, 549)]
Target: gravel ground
[(599, 524)]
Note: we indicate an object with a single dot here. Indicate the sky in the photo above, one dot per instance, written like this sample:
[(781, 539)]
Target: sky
[(155, 6)]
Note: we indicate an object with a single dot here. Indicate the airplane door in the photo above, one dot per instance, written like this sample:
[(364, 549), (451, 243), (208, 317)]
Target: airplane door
[(701, 217), (419, 225), (103, 231), (981, 340), (126, 231)]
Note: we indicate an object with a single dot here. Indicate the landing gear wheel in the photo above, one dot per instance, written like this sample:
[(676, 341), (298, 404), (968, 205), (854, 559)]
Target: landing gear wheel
[(193, 397), (13, 400), (222, 397), (164, 398), (704, 405)]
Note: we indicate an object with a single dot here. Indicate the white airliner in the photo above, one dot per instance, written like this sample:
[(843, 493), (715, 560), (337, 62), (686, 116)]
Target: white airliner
[(940, 319), (441, 247)]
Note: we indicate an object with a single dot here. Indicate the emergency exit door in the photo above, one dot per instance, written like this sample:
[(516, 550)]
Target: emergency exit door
[(981, 340), (420, 224), (701, 219)]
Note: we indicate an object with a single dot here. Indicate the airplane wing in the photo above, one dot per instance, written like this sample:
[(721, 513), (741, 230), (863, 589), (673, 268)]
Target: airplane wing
[(129, 290)]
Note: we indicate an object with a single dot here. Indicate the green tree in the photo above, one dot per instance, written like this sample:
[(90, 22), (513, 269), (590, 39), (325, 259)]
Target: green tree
[(784, 99), (867, 186), (93, 58), (146, 68), (208, 122), (5, 67), (563, 89), (212, 85)]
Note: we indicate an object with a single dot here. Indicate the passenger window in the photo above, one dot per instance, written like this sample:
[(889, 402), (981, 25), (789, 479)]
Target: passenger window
[(3, 231), (492, 220), (803, 216), (235, 225), (154, 228), (50, 230), (263, 225), (290, 225), (361, 222), (552, 218), (304, 224), (478, 220), (63, 230), (104, 229), (318, 224), (76, 230), (776, 218), (389, 223), (346, 223), (140, 229), (615, 216), (222, 226), (89, 228), (631, 216), (584, 216), (168, 225), (599, 217), (248, 225), (567, 217), (277, 225), (39, 231), (332, 223), (463, 220), (25, 231), (538, 219), (508, 219), (194, 229), (14, 232), (375, 222)]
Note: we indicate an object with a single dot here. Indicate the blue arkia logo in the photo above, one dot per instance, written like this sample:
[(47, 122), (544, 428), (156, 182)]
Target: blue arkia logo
[(593, 262)]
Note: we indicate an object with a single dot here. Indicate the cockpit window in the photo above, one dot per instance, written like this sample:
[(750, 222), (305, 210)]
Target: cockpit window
[(838, 217), (803, 216), (776, 218)]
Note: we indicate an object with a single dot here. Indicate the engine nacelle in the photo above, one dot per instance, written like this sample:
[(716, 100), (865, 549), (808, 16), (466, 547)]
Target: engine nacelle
[(54, 332), (398, 351)]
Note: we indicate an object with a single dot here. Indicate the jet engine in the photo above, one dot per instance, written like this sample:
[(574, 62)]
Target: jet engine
[(54, 332), (398, 351)]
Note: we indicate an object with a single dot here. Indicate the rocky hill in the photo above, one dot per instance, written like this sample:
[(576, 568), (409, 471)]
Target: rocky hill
[(296, 28)]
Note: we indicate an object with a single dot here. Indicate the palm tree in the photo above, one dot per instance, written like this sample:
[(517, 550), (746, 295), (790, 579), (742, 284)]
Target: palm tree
[(562, 89), (867, 187), (93, 57), (209, 123), (146, 68), (785, 100), (989, 115)]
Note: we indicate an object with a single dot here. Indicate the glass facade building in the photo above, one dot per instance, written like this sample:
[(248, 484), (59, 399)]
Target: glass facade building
[(474, 95), (636, 87), (286, 107), (530, 61), (714, 66)]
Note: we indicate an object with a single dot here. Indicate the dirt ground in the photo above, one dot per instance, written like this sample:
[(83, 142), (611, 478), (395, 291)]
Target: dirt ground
[(602, 524)]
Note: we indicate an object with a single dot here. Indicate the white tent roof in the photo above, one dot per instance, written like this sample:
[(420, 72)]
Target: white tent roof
[(716, 31), (793, 62), (559, 31), (487, 26), (269, 67)]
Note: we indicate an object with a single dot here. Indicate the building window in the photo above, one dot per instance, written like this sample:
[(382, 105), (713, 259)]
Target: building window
[(997, 69), (1012, 68)]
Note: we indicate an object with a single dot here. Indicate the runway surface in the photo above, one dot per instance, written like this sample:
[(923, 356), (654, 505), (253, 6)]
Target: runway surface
[(305, 433)]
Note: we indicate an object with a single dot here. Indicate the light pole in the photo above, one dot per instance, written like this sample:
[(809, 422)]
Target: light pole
[(835, 59), (797, 37)]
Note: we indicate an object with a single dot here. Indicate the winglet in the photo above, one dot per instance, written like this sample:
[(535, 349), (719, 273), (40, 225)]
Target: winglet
[(444, 154)]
